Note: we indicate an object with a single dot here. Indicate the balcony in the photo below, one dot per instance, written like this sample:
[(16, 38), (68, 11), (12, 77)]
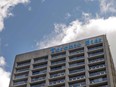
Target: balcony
[(104, 86), (39, 72), (21, 76), (57, 75), (98, 80), (76, 70), (56, 82), (75, 64), (95, 53), (97, 73), (79, 84), (76, 52), (24, 63), (39, 66), (38, 85), (22, 70), (96, 47), (34, 79), (60, 55), (20, 82), (40, 60), (97, 66), (76, 58), (77, 78), (57, 62), (96, 60), (57, 68)]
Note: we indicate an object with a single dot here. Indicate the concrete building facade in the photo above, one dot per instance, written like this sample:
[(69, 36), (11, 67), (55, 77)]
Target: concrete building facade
[(84, 63)]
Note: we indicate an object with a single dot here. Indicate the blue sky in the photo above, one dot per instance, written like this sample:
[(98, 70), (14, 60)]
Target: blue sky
[(35, 24), (26, 27)]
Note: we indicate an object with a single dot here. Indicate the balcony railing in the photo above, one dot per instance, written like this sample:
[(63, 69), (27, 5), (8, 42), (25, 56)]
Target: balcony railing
[(77, 78), (76, 52), (56, 82), (96, 53), (96, 60), (104, 86), (58, 62), (39, 72), (95, 48), (23, 64), (39, 85), (98, 73), (40, 60), (76, 58), (58, 56), (76, 64), (57, 75), (21, 76), (22, 70), (37, 79), (96, 67), (98, 80), (40, 66), (79, 84), (20, 82), (57, 68)]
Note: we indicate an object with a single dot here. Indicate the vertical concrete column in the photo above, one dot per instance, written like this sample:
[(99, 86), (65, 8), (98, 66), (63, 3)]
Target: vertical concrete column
[(66, 70), (13, 76), (48, 70), (30, 73), (86, 66)]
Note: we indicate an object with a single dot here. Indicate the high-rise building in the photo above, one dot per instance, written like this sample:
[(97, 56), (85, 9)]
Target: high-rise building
[(84, 63)]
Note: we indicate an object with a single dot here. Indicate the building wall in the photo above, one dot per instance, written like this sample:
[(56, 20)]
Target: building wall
[(94, 70)]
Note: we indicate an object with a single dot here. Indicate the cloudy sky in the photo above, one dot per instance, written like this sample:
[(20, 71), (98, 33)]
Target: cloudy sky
[(27, 25)]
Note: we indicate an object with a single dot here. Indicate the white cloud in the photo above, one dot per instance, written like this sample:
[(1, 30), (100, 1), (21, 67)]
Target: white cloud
[(2, 61), (108, 6), (86, 16), (4, 75), (5, 8), (77, 30)]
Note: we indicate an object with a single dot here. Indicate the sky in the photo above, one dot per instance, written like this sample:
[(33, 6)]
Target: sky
[(27, 25)]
